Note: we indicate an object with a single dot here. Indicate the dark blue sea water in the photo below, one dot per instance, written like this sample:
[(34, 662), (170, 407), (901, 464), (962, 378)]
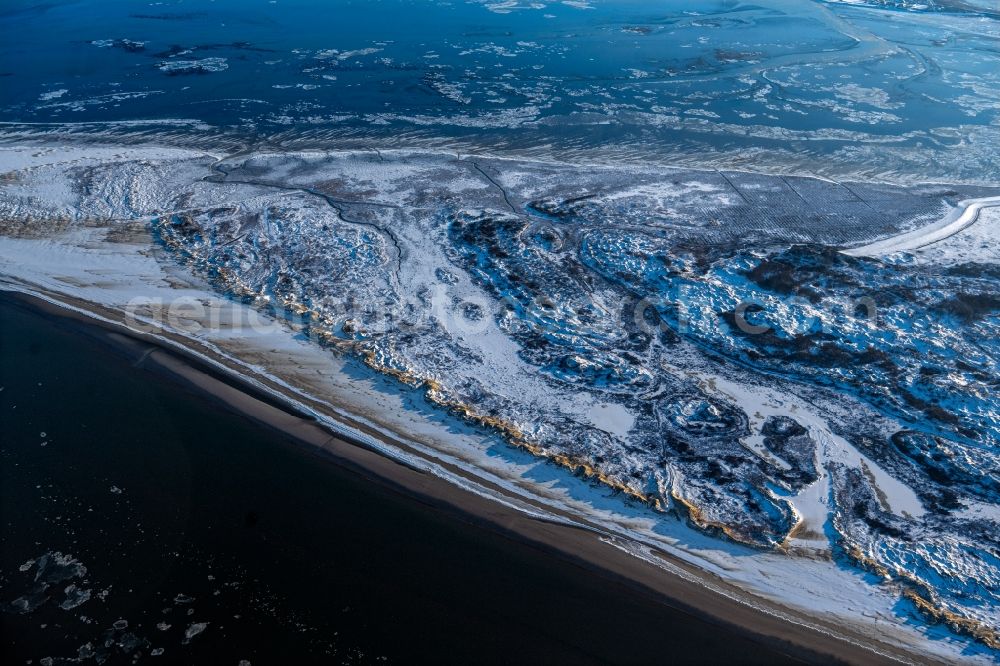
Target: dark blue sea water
[(887, 87)]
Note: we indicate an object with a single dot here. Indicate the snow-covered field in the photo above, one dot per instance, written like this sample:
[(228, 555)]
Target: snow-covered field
[(634, 350)]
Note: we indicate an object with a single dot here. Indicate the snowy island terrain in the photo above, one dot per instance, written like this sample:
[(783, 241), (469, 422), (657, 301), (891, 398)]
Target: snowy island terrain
[(783, 383)]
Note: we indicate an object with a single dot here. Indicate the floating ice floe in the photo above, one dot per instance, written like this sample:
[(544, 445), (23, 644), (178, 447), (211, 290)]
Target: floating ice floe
[(203, 66)]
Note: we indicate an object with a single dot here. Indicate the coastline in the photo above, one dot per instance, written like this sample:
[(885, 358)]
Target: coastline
[(556, 333), (576, 545), (962, 216)]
